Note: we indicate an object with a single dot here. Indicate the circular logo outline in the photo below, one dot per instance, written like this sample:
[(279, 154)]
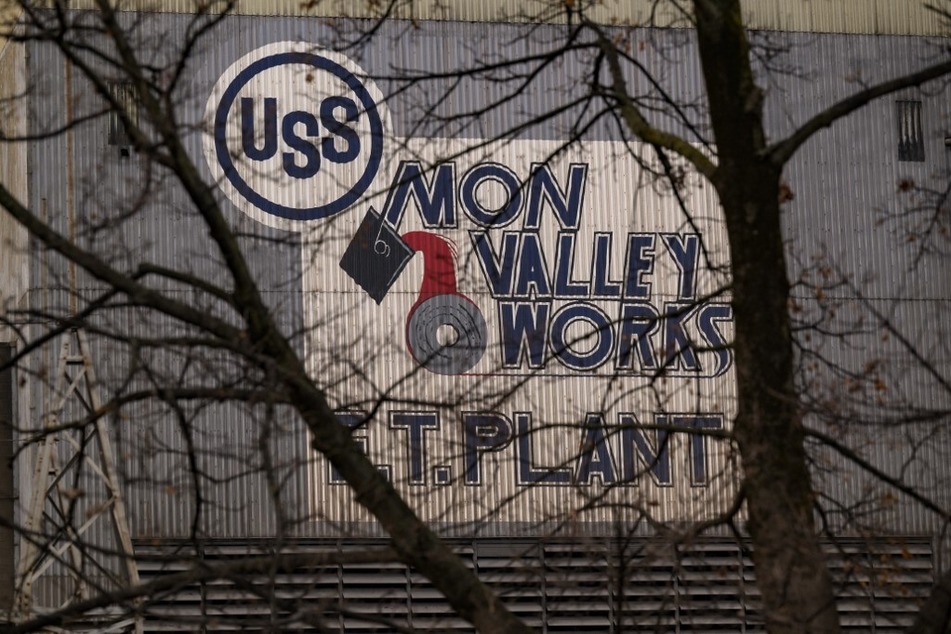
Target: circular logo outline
[(223, 155)]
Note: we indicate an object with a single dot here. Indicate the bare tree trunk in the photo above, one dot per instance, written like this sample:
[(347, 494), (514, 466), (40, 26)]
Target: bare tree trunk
[(790, 568), (935, 614)]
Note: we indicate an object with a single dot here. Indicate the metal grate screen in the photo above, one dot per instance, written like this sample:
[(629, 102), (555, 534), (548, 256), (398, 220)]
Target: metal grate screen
[(602, 586)]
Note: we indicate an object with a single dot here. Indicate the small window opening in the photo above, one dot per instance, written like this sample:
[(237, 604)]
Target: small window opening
[(911, 141), (124, 95)]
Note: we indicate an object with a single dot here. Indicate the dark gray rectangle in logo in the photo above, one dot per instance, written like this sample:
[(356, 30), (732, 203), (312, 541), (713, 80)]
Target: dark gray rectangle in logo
[(376, 256)]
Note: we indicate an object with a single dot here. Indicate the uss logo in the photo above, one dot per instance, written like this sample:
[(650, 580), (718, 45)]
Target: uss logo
[(297, 133)]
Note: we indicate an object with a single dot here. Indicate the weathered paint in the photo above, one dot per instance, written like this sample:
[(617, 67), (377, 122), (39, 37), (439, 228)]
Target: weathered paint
[(842, 180)]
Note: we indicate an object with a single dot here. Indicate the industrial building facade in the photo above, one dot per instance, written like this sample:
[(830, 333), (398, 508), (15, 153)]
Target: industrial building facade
[(525, 324)]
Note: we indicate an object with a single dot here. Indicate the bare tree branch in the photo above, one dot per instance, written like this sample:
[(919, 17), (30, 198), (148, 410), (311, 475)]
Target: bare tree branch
[(281, 563), (636, 122), (779, 153)]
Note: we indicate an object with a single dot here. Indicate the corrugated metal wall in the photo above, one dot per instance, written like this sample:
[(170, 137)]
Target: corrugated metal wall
[(844, 182), (866, 269), (13, 279), (895, 17), (13, 239)]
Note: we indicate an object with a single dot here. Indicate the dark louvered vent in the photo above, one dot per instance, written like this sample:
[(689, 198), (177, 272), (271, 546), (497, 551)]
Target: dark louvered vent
[(588, 586), (577, 592), (516, 571), (880, 584), (125, 108), (911, 140), (713, 594), (645, 586), (706, 588)]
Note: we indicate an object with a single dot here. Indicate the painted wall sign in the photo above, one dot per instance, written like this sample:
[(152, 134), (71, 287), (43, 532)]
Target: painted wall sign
[(496, 320), (297, 133)]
